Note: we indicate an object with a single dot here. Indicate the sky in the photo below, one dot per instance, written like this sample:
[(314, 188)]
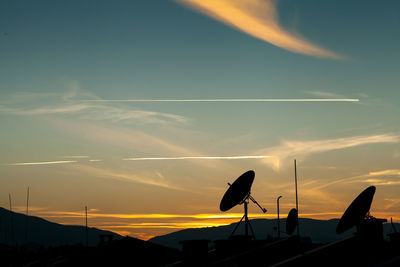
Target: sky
[(73, 130)]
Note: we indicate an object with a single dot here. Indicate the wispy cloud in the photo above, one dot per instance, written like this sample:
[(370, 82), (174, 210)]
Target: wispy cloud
[(124, 138), (71, 103), (111, 174), (98, 112), (393, 202), (383, 177), (391, 172), (42, 163), (232, 100), (324, 94), (259, 19), (116, 114), (147, 145), (199, 157), (291, 149), (45, 110), (380, 182)]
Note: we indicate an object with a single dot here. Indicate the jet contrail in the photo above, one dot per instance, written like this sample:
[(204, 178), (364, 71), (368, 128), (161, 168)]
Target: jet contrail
[(215, 157), (234, 100), (42, 163)]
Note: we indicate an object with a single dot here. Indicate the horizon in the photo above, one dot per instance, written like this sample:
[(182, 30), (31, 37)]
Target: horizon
[(143, 111), (175, 221), (233, 218)]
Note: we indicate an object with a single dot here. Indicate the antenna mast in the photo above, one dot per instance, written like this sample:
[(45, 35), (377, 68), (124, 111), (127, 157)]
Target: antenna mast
[(12, 219), (27, 214), (277, 207), (297, 201), (87, 234)]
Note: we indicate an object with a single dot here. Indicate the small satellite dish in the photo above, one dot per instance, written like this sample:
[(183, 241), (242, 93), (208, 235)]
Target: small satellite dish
[(357, 210), (291, 221), (238, 191)]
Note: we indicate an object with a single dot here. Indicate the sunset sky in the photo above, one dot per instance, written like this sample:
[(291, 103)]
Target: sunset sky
[(73, 130)]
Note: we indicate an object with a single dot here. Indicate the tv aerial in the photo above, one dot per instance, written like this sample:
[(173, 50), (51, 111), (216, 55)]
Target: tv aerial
[(239, 193), (357, 214), (292, 221)]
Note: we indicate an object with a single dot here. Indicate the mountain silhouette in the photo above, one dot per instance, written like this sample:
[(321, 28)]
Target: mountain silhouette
[(53, 244), (18, 229), (320, 231)]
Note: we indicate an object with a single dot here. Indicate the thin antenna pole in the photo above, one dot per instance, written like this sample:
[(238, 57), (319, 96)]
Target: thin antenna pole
[(246, 220), (87, 234), (27, 202), (297, 201), (27, 214), (12, 220), (277, 207), (9, 199)]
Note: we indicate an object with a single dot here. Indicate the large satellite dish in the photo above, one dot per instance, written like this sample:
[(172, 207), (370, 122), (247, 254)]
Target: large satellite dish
[(357, 211), (239, 193), (291, 221)]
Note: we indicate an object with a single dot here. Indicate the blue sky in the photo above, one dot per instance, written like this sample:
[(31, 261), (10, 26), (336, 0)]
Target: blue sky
[(56, 55)]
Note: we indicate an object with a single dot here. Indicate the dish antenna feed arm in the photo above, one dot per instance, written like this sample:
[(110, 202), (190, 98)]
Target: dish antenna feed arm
[(255, 202), (239, 193)]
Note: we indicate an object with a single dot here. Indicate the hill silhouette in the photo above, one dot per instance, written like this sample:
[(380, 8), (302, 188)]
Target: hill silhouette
[(320, 231), (43, 232), (53, 244)]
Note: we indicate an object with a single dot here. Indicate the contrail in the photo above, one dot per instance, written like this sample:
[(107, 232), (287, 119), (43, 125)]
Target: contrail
[(183, 158), (234, 100), (42, 163)]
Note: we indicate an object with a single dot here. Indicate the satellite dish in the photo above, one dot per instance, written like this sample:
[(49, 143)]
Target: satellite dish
[(291, 221), (357, 210), (238, 191)]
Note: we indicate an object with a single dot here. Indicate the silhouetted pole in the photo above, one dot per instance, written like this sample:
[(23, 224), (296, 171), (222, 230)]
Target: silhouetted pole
[(393, 227), (246, 220), (12, 220), (87, 233), (277, 207), (297, 201), (27, 214)]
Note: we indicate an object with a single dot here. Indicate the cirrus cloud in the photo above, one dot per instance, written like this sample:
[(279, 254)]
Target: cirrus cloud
[(288, 149), (259, 19)]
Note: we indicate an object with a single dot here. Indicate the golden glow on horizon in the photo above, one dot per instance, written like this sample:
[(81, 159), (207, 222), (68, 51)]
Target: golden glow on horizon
[(69, 214), (146, 226), (178, 225), (220, 216)]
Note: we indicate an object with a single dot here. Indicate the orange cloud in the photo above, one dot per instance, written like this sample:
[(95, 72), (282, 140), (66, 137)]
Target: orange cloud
[(259, 19)]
